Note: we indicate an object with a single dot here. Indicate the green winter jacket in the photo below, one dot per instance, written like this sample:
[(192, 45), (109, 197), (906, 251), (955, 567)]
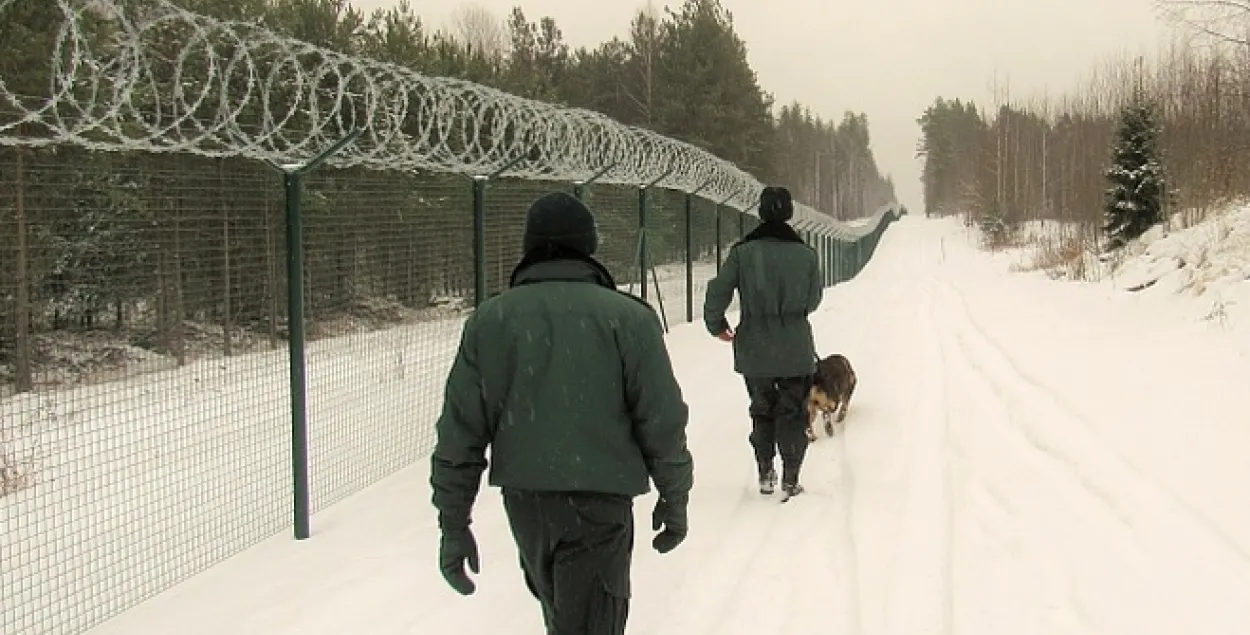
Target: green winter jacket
[(779, 284), (569, 383)]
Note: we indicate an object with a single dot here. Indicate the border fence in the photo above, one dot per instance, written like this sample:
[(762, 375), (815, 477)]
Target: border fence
[(233, 272)]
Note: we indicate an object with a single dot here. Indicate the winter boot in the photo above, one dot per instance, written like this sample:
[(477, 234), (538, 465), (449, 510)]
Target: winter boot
[(768, 480), (790, 490), (790, 482)]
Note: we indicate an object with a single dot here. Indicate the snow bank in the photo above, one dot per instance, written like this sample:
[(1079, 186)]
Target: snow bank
[(1209, 262), (1207, 265)]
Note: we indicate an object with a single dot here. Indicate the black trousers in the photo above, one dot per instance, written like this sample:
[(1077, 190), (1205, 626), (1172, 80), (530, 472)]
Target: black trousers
[(576, 551), (779, 423)]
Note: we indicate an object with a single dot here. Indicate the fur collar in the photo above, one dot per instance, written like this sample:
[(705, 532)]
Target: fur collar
[(779, 231), (552, 262)]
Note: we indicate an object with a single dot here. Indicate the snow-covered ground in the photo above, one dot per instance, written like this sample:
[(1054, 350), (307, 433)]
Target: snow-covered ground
[(1022, 456), (122, 489)]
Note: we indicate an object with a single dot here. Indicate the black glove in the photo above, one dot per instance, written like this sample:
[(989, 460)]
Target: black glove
[(454, 549), (672, 516)]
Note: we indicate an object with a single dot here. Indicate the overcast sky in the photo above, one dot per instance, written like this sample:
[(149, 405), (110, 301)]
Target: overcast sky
[(886, 58)]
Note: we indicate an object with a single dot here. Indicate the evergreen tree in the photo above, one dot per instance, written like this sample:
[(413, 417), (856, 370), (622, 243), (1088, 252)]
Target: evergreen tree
[(1134, 200)]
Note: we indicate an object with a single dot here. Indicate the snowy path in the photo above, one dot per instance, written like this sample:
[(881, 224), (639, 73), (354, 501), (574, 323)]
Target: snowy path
[(1014, 462)]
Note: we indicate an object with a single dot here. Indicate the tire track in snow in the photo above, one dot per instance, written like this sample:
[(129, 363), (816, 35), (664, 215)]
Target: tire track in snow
[(757, 592), (790, 582), (703, 595), (1009, 492), (1176, 559), (852, 601), (919, 598), (844, 556), (1090, 437)]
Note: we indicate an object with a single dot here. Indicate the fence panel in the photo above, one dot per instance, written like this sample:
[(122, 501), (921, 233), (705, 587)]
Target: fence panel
[(388, 282), (616, 212), (154, 443)]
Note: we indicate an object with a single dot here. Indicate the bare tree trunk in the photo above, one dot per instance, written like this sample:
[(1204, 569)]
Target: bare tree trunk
[(24, 375)]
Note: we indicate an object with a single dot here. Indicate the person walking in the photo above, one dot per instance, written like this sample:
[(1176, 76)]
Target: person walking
[(779, 284), (569, 383)]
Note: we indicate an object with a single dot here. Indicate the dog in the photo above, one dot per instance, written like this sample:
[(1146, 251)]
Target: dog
[(830, 394)]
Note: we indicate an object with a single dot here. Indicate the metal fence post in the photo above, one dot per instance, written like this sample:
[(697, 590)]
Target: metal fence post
[(719, 211), (690, 250), (838, 255), (479, 228), (479, 240), (293, 184), (689, 258), (642, 241), (829, 277), (824, 258), (292, 181), (718, 240), (643, 259)]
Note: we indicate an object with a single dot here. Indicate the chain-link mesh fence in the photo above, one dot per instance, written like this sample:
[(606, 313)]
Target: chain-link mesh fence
[(144, 369), (144, 391), (388, 277)]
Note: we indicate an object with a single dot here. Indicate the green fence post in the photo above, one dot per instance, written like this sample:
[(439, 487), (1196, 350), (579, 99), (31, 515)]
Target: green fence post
[(824, 262), (479, 228), (828, 260), (292, 182), (690, 259), (723, 203), (642, 241), (690, 250), (479, 240), (643, 259), (839, 254), (718, 240)]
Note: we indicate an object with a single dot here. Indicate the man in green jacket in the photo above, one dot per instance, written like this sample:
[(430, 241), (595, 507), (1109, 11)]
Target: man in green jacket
[(569, 383), (779, 284)]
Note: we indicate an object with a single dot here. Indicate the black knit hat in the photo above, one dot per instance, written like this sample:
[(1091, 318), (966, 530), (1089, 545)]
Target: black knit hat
[(560, 219), (776, 205)]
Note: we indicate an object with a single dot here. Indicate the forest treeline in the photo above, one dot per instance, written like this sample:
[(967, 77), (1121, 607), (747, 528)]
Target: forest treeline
[(1048, 157)]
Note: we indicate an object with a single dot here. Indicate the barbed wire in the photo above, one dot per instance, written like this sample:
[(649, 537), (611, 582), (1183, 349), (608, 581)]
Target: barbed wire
[(162, 79)]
